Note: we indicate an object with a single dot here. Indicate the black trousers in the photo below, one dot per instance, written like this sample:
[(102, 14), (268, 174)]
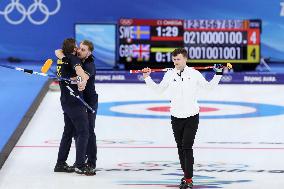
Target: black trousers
[(184, 130), (76, 124), (92, 142)]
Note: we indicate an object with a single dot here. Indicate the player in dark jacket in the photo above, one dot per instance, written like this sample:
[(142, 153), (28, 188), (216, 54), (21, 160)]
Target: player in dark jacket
[(84, 53), (75, 113)]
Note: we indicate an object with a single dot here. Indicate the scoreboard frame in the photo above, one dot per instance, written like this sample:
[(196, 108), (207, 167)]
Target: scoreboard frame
[(207, 41)]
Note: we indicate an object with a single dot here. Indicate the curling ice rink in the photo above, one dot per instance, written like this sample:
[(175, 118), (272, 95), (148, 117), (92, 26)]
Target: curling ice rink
[(239, 144)]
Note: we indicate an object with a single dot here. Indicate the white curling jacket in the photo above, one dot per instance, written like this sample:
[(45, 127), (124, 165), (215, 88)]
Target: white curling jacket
[(182, 88)]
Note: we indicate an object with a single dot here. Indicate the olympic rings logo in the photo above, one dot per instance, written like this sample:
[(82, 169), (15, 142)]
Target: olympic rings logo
[(126, 22), (15, 5)]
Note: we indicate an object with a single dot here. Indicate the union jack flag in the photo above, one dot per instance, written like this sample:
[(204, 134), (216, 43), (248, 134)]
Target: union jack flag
[(141, 52)]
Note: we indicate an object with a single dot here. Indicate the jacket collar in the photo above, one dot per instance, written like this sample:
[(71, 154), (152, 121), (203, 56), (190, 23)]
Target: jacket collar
[(186, 69)]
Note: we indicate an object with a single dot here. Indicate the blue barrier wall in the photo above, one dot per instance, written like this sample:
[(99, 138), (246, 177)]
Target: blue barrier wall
[(32, 30), (18, 92), (228, 78)]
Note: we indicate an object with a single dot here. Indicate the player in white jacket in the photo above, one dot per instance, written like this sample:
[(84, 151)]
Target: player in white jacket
[(183, 83)]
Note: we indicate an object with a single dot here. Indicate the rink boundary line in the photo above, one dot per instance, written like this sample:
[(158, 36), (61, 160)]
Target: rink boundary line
[(161, 147)]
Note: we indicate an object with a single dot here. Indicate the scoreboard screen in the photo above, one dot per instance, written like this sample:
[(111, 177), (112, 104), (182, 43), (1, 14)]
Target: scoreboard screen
[(150, 42)]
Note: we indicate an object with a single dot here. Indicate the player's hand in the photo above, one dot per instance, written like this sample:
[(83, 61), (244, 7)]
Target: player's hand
[(218, 68), (81, 88), (146, 72), (81, 83)]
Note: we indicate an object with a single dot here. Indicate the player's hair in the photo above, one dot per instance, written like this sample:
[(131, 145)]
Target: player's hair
[(68, 46), (180, 51), (89, 44)]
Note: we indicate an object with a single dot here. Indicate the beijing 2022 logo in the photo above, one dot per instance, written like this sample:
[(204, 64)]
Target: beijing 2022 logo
[(15, 6)]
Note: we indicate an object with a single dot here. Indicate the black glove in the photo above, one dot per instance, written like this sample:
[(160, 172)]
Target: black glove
[(218, 68)]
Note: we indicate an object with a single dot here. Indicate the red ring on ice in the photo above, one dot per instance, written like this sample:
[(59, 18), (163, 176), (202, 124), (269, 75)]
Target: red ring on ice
[(167, 109)]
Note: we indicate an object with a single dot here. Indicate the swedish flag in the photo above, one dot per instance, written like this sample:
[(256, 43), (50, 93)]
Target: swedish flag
[(141, 32)]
